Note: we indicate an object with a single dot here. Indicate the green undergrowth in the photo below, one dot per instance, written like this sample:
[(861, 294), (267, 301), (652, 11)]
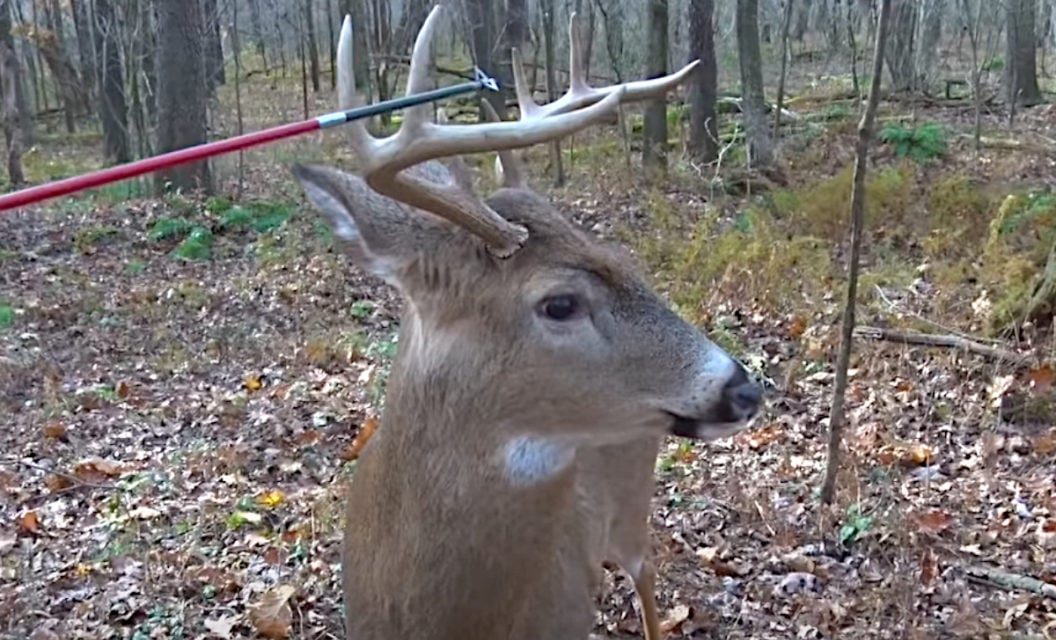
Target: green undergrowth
[(194, 228), (920, 143)]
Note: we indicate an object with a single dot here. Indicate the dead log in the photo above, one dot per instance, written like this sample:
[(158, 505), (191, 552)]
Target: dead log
[(1010, 581), (940, 340)]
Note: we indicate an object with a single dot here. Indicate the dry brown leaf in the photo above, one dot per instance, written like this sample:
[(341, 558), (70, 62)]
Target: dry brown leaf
[(275, 556), (934, 522), (55, 430), (1041, 378), (1045, 443), (55, 483), (123, 389), (30, 522), (796, 327), (352, 451), (272, 617), (756, 439), (97, 469), (675, 617), (929, 567)]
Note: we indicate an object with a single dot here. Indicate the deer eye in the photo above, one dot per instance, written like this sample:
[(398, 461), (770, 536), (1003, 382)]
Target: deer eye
[(560, 307)]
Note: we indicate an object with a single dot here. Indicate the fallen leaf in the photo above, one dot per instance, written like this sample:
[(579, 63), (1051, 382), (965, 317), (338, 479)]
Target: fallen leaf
[(271, 499), (929, 567), (934, 521), (30, 522), (222, 627), (272, 617), (675, 617), (55, 430), (253, 382), (275, 556), (97, 469), (352, 451), (123, 389), (918, 455), (1041, 378), (1045, 443), (797, 327), (55, 483), (756, 439)]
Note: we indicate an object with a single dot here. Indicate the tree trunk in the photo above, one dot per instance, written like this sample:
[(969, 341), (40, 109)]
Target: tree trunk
[(514, 36), (865, 132), (930, 37), (654, 146), (10, 87), (182, 95), (802, 21), (1021, 77), (85, 52), (546, 9), (786, 21), (703, 86), (52, 46), (480, 18), (113, 112), (313, 47), (760, 146), (258, 32), (214, 51), (612, 18), (900, 55)]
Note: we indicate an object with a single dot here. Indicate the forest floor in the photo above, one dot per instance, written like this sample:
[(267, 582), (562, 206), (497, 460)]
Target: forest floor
[(182, 383)]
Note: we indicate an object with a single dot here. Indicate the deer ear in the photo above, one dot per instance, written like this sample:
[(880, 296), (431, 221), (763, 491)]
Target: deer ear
[(372, 228)]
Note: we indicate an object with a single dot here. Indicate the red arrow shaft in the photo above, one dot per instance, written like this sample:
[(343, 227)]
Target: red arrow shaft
[(148, 165)]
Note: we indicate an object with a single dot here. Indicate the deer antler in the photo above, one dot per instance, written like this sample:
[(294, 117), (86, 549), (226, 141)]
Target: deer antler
[(420, 140), (580, 94)]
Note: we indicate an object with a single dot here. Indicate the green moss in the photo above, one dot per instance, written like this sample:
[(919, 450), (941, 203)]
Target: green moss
[(168, 228), (196, 246)]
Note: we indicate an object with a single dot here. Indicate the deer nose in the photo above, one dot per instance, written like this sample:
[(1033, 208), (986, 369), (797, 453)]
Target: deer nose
[(741, 397)]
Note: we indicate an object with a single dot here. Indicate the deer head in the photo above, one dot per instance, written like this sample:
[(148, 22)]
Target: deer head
[(516, 320)]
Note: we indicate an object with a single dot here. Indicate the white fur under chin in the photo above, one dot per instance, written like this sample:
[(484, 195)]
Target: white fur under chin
[(530, 460)]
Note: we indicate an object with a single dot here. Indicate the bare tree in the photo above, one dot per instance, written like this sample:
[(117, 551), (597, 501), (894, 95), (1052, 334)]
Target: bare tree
[(313, 47), (214, 52), (865, 135), (81, 10), (258, 32), (10, 87), (654, 146), (703, 86), (1021, 76), (753, 100), (900, 55), (360, 43), (612, 18), (182, 96), (514, 35), (480, 21), (786, 22), (974, 17), (113, 111), (546, 10)]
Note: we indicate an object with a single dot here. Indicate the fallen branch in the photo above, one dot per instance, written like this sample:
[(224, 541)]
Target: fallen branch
[(1029, 146), (948, 341), (1010, 581)]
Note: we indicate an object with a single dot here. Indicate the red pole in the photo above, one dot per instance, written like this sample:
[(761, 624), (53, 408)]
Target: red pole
[(148, 165)]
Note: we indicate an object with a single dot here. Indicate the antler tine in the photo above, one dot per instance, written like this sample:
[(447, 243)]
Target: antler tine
[(511, 171), (525, 103), (418, 78), (577, 69), (347, 97)]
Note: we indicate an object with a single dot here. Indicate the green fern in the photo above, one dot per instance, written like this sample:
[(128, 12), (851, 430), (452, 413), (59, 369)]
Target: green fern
[(919, 143)]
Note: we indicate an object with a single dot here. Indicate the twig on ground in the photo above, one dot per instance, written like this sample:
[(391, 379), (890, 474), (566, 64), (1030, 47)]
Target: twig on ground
[(893, 306), (948, 341), (1010, 581)]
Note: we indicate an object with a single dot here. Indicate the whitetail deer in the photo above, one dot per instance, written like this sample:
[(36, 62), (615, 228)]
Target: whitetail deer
[(535, 376)]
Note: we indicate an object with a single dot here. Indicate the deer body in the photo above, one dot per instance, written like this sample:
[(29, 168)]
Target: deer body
[(535, 375)]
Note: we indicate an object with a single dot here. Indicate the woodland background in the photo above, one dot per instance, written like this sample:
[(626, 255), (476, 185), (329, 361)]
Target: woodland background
[(189, 368)]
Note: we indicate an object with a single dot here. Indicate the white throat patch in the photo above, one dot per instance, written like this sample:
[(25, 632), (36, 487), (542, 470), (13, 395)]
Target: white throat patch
[(529, 460)]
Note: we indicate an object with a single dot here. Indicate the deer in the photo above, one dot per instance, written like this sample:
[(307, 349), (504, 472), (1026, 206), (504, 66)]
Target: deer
[(536, 374)]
